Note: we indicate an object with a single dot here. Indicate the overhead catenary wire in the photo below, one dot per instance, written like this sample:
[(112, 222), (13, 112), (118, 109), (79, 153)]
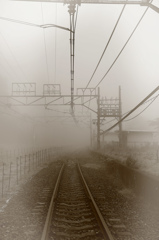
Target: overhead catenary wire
[(142, 110), (107, 44), (123, 46), (24, 117), (12, 54), (54, 110), (151, 99), (76, 18), (44, 37), (138, 105), (9, 67), (55, 46), (48, 25)]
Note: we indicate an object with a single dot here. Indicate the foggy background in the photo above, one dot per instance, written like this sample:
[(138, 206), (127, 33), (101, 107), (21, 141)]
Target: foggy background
[(31, 54)]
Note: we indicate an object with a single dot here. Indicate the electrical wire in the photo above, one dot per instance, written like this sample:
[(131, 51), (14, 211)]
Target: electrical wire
[(142, 110), (15, 112), (17, 63), (107, 44), (48, 25), (10, 67), (123, 47), (76, 18), (151, 99), (55, 46), (44, 37), (55, 110), (18, 21), (136, 107)]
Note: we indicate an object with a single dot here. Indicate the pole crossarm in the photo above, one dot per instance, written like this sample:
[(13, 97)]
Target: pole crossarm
[(89, 1), (41, 100), (89, 108), (146, 3)]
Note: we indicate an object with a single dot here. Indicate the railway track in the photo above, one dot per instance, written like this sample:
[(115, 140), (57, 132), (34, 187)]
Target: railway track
[(73, 213)]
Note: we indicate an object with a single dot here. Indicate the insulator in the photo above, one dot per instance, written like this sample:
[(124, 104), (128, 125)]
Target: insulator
[(71, 8)]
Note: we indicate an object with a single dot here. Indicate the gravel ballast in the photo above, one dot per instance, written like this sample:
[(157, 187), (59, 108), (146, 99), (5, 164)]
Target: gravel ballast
[(17, 220), (139, 216)]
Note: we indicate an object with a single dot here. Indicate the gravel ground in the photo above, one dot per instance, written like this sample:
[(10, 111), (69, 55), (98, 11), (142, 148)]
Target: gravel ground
[(17, 220), (140, 217)]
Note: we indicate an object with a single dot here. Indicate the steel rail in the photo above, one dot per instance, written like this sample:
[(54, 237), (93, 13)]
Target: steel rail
[(51, 207), (105, 230)]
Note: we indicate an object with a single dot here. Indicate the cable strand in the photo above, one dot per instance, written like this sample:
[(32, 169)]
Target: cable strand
[(123, 47), (106, 45)]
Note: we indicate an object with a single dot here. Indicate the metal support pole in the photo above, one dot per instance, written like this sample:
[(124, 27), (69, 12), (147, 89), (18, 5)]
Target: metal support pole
[(3, 180), (25, 163), (98, 120), (72, 49), (10, 172), (120, 123), (20, 167), (90, 131), (17, 170), (33, 161), (36, 159), (29, 162)]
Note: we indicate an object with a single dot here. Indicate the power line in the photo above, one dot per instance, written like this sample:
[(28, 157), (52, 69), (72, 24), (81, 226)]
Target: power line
[(142, 110), (48, 25), (18, 21), (55, 110), (76, 17), (10, 66), (55, 42), (123, 46), (12, 54), (145, 99), (46, 57), (151, 99), (16, 112), (107, 44)]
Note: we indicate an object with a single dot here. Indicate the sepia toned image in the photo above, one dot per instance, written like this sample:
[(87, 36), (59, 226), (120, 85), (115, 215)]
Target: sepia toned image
[(79, 125)]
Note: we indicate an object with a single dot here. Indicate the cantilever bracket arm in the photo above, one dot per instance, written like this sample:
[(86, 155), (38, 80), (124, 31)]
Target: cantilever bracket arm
[(150, 5), (35, 25), (54, 25)]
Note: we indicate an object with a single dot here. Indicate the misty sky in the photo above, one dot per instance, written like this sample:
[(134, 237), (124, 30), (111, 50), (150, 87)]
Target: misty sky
[(31, 54)]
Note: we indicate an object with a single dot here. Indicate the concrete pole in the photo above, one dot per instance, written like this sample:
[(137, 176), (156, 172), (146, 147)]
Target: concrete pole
[(120, 123), (98, 120), (90, 131)]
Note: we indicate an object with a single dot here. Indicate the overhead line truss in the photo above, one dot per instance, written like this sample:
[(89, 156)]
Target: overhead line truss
[(89, 1), (146, 3), (41, 100)]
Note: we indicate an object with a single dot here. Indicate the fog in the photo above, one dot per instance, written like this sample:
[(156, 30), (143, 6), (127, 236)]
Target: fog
[(31, 54)]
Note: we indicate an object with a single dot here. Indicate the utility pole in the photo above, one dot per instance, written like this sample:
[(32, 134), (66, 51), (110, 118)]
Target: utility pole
[(120, 123), (98, 120), (72, 11), (91, 131)]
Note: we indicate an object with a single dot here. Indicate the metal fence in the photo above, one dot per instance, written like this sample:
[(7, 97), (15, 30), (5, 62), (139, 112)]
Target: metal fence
[(13, 170)]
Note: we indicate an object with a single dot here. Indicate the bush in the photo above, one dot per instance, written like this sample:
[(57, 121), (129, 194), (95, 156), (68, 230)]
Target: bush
[(131, 162)]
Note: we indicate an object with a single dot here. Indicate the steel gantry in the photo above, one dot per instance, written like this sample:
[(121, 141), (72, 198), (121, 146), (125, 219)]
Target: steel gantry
[(72, 10), (53, 97), (147, 3)]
